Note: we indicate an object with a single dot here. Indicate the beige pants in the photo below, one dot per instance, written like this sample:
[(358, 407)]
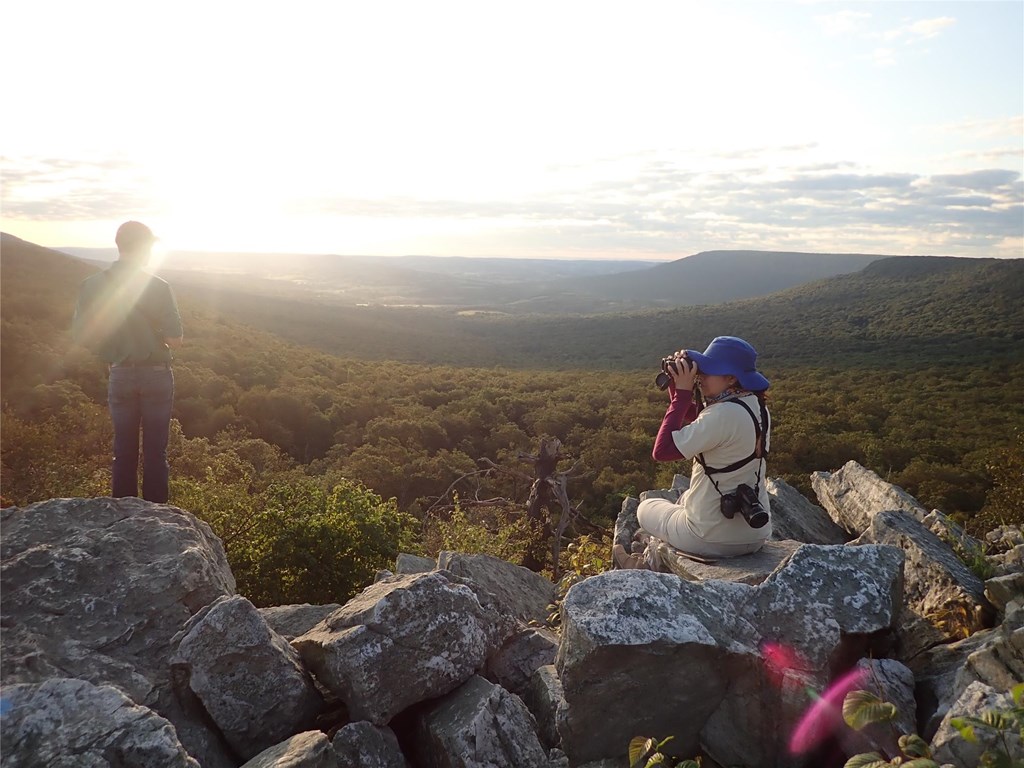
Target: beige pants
[(667, 521)]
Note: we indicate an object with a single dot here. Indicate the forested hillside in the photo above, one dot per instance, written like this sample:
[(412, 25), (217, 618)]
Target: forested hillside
[(899, 311), (914, 370)]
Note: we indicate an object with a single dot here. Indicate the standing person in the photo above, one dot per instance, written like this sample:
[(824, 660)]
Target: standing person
[(728, 440), (129, 319)]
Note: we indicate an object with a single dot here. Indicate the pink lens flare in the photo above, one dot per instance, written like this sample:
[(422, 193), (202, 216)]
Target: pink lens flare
[(780, 659), (825, 716)]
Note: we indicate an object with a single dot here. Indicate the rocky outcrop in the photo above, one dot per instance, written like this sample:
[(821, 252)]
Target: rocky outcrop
[(246, 676), (138, 595), (628, 633), (401, 641), (943, 599), (96, 588), (853, 495), (66, 722)]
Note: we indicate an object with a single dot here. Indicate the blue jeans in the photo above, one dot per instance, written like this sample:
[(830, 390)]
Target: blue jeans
[(141, 397)]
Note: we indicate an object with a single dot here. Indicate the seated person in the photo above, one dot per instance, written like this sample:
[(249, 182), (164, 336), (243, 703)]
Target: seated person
[(728, 438)]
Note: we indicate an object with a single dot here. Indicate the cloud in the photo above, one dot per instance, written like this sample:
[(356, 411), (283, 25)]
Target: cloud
[(775, 208), (56, 189), (990, 179)]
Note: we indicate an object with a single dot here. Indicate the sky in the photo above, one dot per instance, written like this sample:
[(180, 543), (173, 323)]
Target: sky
[(640, 130)]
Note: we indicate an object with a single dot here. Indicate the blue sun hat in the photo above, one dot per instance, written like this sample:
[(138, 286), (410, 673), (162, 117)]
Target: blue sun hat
[(730, 355)]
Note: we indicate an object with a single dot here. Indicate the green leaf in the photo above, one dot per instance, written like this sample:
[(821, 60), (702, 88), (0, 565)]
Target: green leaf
[(913, 745), (920, 762), (688, 764), (868, 760), (656, 759), (863, 708), (965, 729), (1018, 694), (639, 747)]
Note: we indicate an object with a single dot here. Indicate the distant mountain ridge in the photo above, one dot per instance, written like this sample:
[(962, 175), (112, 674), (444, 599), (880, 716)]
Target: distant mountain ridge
[(517, 286), (896, 311), (711, 277)]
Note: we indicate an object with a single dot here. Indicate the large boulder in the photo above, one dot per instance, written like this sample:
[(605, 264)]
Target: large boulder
[(652, 645), (853, 495), (96, 589), (517, 590), (795, 518), (401, 641), (943, 598), (249, 680), (65, 722), (479, 725)]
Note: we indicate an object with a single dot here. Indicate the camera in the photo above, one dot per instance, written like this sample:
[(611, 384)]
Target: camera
[(745, 501), (669, 365)]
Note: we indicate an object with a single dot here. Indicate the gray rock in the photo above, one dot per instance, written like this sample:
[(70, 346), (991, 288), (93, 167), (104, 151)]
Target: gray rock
[(1005, 537), (522, 654), (795, 518), (631, 641), (71, 723), (96, 589), (403, 641), (290, 621), (745, 569), (1000, 591), (950, 532), (518, 591), (853, 495), (407, 563), (627, 524), (943, 598), (310, 749), (479, 725), (993, 657), (1011, 561), (249, 680), (890, 681), (546, 701), (364, 745), (976, 700)]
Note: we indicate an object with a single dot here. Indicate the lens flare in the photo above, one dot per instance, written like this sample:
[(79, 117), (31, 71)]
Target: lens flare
[(825, 716)]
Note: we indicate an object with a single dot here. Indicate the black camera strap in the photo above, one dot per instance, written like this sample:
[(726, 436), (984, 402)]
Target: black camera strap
[(760, 447)]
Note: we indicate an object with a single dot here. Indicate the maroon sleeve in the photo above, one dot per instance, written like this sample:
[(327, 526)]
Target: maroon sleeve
[(681, 411)]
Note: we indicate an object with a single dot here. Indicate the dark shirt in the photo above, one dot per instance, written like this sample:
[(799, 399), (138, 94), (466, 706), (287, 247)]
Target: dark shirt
[(124, 314)]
